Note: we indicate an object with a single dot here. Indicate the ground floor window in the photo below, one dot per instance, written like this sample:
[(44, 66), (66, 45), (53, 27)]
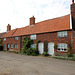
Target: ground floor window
[(33, 45), (11, 45), (16, 46), (62, 47), (4, 46)]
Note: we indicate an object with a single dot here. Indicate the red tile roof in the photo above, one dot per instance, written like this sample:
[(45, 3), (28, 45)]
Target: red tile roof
[(2, 34), (10, 33), (51, 25)]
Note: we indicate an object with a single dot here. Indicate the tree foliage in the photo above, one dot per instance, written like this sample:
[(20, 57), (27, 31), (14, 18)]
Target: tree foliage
[(27, 47)]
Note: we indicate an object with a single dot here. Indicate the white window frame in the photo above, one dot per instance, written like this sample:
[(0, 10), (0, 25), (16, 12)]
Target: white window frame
[(62, 47), (62, 34), (16, 46), (4, 39), (33, 45), (11, 45), (33, 36), (16, 38)]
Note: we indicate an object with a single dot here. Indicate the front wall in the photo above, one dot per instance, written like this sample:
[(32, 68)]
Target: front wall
[(52, 37), (12, 41)]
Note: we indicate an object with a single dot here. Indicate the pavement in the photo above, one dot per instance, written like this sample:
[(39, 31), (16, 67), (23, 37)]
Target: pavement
[(15, 64)]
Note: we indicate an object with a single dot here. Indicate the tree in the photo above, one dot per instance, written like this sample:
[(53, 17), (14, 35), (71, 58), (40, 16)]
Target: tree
[(26, 43)]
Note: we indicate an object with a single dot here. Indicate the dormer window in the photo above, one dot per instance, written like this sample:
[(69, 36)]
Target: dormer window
[(16, 38), (4, 39), (33, 37)]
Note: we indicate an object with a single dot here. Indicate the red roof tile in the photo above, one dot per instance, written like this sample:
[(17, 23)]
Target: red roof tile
[(2, 34), (10, 33), (56, 24)]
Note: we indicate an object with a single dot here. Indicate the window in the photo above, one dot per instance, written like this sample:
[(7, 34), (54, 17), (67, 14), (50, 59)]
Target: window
[(4, 46), (4, 39), (11, 45), (16, 38), (33, 36), (16, 46), (33, 45), (62, 34), (62, 47)]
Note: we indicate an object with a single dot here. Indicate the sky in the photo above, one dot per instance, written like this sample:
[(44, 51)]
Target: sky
[(17, 12)]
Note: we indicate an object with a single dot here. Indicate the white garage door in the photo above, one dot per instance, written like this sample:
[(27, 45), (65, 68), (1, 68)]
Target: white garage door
[(41, 48), (50, 48)]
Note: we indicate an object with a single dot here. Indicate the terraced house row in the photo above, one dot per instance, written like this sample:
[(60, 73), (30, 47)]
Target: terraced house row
[(60, 31)]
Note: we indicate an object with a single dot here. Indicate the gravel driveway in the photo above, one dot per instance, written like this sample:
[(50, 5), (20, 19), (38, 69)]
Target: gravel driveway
[(14, 64)]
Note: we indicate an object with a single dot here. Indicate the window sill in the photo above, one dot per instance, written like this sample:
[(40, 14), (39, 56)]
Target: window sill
[(62, 51), (62, 37)]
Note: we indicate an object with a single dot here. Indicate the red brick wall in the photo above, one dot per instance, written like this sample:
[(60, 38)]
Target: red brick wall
[(73, 40), (50, 37), (8, 27), (32, 20), (12, 41), (73, 15)]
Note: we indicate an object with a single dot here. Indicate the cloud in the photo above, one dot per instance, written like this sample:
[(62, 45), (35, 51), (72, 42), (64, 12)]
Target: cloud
[(18, 12)]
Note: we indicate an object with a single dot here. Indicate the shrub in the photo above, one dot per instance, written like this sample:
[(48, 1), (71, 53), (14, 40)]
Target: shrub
[(27, 47), (1, 47), (45, 54), (70, 54), (38, 41), (73, 55), (55, 46), (32, 51), (73, 58)]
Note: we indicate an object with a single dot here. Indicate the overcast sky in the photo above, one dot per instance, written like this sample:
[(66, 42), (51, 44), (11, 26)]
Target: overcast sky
[(17, 12)]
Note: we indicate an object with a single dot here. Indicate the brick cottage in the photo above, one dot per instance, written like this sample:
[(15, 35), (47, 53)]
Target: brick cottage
[(58, 31)]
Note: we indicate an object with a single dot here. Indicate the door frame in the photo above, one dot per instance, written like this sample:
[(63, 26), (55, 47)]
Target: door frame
[(7, 47)]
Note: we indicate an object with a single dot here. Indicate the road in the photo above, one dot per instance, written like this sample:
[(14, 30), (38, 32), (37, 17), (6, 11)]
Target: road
[(15, 64)]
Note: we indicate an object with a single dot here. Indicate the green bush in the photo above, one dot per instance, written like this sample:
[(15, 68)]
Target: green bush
[(73, 58), (1, 47), (73, 55), (64, 58), (32, 51), (27, 47), (70, 55), (45, 54)]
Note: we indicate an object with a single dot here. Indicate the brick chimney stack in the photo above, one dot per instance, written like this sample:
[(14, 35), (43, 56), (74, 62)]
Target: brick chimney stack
[(32, 20), (73, 14), (8, 27), (72, 1)]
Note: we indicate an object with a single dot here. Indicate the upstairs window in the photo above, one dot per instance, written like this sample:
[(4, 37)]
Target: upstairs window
[(11, 45), (33, 36), (4, 39), (4, 46), (16, 46), (62, 34), (62, 47), (33, 45), (16, 38)]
